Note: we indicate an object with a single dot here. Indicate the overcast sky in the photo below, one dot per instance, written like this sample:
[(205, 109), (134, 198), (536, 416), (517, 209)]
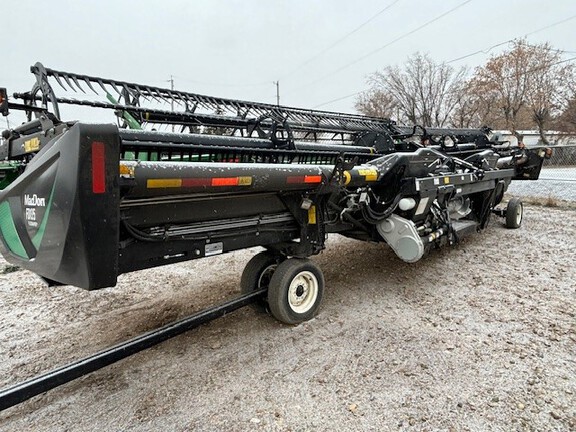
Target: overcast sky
[(238, 48)]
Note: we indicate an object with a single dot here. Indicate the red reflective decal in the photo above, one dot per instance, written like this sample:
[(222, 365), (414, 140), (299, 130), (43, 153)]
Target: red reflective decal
[(196, 182), (304, 179), (98, 168), (295, 179), (225, 181), (313, 179)]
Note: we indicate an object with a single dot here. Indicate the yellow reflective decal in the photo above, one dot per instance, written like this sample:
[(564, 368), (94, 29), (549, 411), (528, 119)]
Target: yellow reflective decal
[(244, 181), (32, 145), (370, 174), (163, 183), (126, 171), (312, 215)]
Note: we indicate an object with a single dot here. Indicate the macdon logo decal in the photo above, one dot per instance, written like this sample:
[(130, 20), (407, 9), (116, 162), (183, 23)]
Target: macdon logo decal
[(31, 202), (34, 201)]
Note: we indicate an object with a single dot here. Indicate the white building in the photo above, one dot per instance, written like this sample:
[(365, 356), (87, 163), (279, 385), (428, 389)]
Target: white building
[(532, 137)]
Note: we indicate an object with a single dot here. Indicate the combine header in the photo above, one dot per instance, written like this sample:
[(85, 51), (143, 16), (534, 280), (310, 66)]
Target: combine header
[(183, 176)]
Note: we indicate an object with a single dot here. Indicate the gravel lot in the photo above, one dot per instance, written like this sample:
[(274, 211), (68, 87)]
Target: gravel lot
[(477, 337)]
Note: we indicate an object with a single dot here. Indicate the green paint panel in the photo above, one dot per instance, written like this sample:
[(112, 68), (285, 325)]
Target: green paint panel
[(10, 172), (9, 231)]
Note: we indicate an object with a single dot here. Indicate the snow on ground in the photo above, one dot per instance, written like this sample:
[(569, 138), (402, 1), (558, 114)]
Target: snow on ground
[(477, 337)]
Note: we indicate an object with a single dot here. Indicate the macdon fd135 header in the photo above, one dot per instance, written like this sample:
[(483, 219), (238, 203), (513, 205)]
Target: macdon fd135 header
[(182, 176)]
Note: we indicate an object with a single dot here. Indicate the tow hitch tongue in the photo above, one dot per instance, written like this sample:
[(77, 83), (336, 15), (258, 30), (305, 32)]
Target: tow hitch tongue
[(21, 392)]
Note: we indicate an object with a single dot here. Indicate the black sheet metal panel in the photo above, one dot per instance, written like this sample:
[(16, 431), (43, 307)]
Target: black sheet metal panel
[(186, 208), (138, 255), (60, 218)]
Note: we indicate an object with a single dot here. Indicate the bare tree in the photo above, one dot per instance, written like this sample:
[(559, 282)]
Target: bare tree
[(566, 122), (421, 92), (469, 110), (376, 103), (549, 80), (501, 85), (522, 88)]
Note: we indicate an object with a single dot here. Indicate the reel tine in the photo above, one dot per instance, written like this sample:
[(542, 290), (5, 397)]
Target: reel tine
[(78, 84), (102, 86), (127, 94), (67, 79), (87, 81), (114, 87), (57, 78), (150, 91)]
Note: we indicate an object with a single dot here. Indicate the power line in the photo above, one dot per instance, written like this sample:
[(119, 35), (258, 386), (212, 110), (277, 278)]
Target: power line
[(347, 65), (551, 25), (554, 24), (277, 84), (487, 50), (547, 66), (536, 69), (337, 99), (263, 83), (314, 57), (372, 18)]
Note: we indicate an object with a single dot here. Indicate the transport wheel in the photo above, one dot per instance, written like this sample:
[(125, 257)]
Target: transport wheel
[(514, 213), (295, 291), (258, 272)]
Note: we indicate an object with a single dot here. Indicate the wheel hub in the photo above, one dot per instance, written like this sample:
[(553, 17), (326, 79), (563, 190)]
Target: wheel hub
[(303, 292), (519, 211)]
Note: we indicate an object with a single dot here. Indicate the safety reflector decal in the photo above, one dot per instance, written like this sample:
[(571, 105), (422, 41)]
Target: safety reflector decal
[(98, 168), (308, 179), (199, 182), (370, 174)]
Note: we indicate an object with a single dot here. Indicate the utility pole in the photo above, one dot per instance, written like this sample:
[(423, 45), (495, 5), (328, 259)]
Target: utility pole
[(277, 83), (172, 97)]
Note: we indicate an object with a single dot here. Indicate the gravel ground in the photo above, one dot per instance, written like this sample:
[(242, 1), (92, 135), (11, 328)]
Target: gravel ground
[(477, 337)]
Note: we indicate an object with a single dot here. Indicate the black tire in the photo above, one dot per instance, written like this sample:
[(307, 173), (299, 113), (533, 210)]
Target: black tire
[(514, 213), (257, 274), (295, 291)]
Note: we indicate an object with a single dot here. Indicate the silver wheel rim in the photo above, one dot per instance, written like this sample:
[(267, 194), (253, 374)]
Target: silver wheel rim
[(303, 292), (266, 275), (519, 211)]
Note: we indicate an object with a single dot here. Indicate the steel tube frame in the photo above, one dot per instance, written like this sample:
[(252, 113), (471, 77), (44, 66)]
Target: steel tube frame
[(18, 393)]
